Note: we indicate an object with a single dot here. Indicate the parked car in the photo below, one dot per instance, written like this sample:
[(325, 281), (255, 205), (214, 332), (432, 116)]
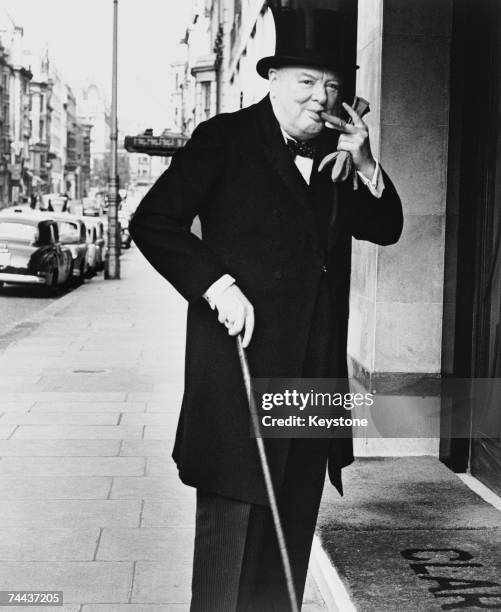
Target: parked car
[(30, 250), (124, 218), (97, 236), (55, 202), (91, 207), (73, 234)]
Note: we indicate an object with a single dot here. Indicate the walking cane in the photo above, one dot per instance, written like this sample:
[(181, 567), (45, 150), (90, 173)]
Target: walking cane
[(267, 476)]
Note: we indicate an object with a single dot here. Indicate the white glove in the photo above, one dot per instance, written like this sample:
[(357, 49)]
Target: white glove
[(236, 312)]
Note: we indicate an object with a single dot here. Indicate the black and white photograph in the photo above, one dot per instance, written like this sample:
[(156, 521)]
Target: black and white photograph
[(250, 305)]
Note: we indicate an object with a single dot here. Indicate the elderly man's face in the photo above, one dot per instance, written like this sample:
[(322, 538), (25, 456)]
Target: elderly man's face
[(300, 94)]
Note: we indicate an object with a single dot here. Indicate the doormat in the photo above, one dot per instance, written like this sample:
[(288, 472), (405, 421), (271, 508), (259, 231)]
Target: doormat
[(409, 535)]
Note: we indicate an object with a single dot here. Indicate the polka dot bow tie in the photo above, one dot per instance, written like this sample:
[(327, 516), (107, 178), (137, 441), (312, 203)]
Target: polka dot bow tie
[(303, 148)]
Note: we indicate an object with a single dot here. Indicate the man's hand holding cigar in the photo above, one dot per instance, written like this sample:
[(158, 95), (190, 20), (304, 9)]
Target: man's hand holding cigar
[(354, 139)]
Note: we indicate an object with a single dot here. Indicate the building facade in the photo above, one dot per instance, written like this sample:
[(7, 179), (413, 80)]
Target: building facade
[(58, 131), (45, 146), (16, 104), (75, 149), (40, 94), (4, 126), (216, 72)]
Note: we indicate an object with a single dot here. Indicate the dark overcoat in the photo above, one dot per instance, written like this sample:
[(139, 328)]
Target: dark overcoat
[(259, 224)]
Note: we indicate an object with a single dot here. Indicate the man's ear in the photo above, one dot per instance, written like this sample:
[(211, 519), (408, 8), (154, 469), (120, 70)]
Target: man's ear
[(272, 79)]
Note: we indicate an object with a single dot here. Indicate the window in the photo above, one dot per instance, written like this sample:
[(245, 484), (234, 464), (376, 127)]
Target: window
[(68, 232), (206, 99), (21, 232)]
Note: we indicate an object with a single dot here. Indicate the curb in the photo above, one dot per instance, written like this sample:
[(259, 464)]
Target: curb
[(330, 585)]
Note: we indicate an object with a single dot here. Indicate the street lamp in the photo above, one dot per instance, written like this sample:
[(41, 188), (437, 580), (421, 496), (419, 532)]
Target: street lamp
[(112, 268)]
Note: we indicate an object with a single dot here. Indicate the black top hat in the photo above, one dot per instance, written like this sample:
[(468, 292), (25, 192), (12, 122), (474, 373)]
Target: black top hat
[(308, 36)]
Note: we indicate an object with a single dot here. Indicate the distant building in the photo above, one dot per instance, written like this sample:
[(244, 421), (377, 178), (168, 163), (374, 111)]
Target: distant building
[(15, 89), (145, 169), (76, 165), (83, 144), (194, 74), (4, 127), (250, 35), (40, 93), (216, 68), (93, 111), (58, 131)]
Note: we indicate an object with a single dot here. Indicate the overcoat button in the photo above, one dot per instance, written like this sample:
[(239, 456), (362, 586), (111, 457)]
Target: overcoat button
[(278, 274), (324, 268)]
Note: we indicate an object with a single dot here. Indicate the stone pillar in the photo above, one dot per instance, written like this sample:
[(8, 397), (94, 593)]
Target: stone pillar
[(397, 291)]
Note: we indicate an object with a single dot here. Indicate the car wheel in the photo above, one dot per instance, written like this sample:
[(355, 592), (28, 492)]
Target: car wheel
[(69, 281), (52, 286), (83, 272)]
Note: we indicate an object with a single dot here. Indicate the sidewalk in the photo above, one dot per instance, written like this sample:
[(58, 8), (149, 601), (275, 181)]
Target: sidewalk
[(91, 504)]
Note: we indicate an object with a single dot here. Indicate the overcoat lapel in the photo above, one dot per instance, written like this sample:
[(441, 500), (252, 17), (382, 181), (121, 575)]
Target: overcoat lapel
[(329, 192), (275, 151)]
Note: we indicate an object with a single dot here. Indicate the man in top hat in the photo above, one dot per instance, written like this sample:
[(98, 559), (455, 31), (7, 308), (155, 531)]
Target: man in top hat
[(274, 264)]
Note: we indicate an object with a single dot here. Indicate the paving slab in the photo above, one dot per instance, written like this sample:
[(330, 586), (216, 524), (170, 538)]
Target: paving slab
[(152, 432), (6, 431), (47, 544), (156, 583), (68, 432), (170, 406), (89, 406), (71, 512), (69, 396), (50, 487), (151, 419), (169, 513), (59, 448), (139, 607), (160, 466), (61, 416), (125, 487), (146, 448), (73, 466), (15, 406), (89, 581), (147, 544), (64, 608)]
